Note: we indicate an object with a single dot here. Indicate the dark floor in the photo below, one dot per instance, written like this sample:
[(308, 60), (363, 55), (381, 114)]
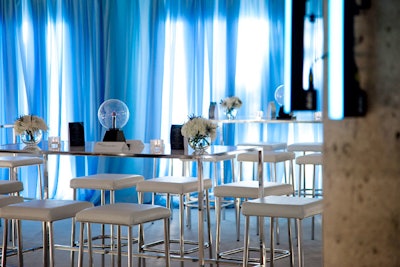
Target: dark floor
[(312, 248)]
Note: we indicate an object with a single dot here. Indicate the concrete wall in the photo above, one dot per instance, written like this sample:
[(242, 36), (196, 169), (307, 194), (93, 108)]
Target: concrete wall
[(361, 224)]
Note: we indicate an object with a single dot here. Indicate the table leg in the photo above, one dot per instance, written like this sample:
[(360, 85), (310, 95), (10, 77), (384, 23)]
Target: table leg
[(45, 176), (200, 211)]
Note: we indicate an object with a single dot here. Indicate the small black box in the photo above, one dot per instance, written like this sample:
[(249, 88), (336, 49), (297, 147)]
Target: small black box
[(76, 134), (176, 138)]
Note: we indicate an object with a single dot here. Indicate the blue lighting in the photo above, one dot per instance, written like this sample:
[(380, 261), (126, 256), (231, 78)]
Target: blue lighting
[(336, 59), (288, 55)]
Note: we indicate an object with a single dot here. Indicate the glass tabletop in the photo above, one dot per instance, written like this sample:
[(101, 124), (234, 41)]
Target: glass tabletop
[(142, 152)]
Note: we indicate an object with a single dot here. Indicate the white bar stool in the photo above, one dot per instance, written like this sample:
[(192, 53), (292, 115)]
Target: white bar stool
[(181, 186), (105, 182), (267, 147), (242, 190), (215, 161), (305, 147), (46, 211), (10, 187), (279, 207), (12, 163), (314, 159), (7, 200), (122, 214), (271, 157)]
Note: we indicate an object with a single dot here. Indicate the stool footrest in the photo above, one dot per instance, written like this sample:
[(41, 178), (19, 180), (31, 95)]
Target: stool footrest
[(230, 254), (151, 246), (105, 246)]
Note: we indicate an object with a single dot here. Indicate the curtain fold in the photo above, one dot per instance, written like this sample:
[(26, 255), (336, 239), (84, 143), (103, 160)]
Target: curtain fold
[(165, 59)]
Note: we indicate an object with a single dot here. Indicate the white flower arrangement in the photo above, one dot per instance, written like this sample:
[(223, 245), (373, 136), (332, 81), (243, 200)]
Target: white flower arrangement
[(199, 128), (230, 103), (29, 124)]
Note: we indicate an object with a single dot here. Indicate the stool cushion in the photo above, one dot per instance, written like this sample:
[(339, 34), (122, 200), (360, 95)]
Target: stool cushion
[(8, 187), (123, 214), (269, 156), (267, 146), (249, 189), (219, 158), (46, 210), (106, 181), (172, 185), (7, 200), (18, 161), (306, 146), (314, 158), (283, 207)]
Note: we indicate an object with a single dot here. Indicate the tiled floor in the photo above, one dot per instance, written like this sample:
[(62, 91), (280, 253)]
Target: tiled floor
[(32, 237)]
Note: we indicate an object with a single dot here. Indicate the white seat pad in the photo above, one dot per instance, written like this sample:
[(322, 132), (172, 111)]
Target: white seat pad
[(283, 207), (19, 161), (7, 200), (7, 186), (172, 185), (305, 146), (314, 158), (123, 214), (249, 189), (46, 210), (269, 156), (106, 181)]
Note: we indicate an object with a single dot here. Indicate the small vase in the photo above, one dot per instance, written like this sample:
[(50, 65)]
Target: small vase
[(199, 145), (231, 113), (31, 138)]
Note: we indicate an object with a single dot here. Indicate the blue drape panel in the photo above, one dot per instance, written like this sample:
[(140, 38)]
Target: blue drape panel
[(165, 59)]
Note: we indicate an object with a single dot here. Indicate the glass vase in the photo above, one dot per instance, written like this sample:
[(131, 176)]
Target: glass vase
[(231, 113), (31, 138), (199, 145)]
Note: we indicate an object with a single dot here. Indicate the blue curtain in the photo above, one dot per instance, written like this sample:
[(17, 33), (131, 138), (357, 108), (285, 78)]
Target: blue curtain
[(165, 59)]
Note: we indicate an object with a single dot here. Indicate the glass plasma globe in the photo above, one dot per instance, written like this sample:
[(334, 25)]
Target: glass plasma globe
[(113, 114), (279, 95)]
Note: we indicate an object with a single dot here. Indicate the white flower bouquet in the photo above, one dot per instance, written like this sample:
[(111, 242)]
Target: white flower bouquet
[(198, 130), (230, 103), (29, 124)]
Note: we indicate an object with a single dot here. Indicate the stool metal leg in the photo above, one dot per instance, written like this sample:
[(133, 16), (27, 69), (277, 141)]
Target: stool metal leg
[(19, 237), (73, 238), (39, 169), (290, 242), (299, 243), (263, 255), (80, 254), (119, 246), (237, 211), (299, 180), (130, 260), (4, 249), (313, 195), (51, 242), (218, 225), (181, 226), (89, 238), (45, 244), (208, 224), (246, 241), (272, 243), (166, 241)]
